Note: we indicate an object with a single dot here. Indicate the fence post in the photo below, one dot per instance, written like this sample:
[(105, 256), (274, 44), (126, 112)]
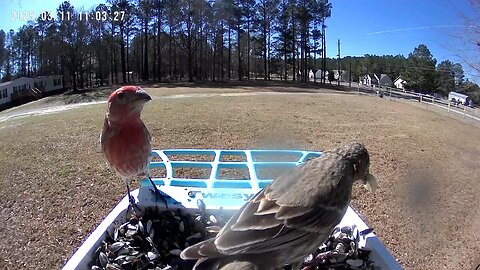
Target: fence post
[(473, 116), (449, 108), (464, 111)]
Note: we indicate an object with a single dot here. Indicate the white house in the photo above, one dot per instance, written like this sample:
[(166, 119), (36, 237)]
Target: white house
[(49, 83), (384, 80), (4, 93), (369, 79), (29, 87), (399, 83), (459, 98), (318, 75), (343, 75), (310, 75)]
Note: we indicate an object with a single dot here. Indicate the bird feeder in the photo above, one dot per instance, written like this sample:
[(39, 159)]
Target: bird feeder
[(222, 180)]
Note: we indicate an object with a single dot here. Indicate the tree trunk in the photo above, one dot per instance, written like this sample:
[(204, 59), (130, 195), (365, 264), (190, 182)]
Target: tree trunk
[(175, 71), (122, 51), (285, 58), (112, 70), (248, 48), (74, 81), (239, 51), (145, 53), (221, 53), (159, 50), (293, 44), (90, 69), (115, 66), (155, 55), (269, 31), (213, 56), (229, 53), (127, 58), (170, 52), (265, 76), (190, 56)]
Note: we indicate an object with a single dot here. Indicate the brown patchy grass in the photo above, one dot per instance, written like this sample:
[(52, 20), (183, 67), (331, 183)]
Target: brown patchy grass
[(55, 186)]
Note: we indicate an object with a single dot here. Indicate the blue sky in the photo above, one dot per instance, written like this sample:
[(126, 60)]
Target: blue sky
[(363, 26), (398, 26)]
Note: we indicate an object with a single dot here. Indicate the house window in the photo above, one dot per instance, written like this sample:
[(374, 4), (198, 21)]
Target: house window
[(24, 87), (54, 82), (5, 92), (35, 84)]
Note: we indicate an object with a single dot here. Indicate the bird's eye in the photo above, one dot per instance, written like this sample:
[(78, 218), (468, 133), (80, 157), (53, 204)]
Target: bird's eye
[(121, 95)]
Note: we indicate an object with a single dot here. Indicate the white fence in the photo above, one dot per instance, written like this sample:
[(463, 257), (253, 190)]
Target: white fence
[(393, 93)]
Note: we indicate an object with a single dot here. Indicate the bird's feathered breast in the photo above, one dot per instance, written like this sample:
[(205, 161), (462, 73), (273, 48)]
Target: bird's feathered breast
[(126, 146)]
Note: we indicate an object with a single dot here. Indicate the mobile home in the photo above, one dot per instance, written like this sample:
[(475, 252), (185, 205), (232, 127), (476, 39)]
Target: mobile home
[(25, 89), (458, 98)]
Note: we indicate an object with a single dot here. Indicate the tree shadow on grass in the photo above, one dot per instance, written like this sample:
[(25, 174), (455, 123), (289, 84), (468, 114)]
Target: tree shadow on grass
[(276, 86), (102, 93)]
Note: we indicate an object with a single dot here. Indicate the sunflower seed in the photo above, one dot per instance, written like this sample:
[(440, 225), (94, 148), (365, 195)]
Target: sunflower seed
[(103, 258), (149, 225), (213, 219), (175, 252), (181, 226)]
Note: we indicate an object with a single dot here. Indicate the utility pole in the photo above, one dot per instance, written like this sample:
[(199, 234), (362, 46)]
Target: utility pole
[(324, 52), (338, 60), (350, 80)]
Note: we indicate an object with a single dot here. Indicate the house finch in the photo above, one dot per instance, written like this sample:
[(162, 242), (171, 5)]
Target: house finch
[(125, 139), (291, 217)]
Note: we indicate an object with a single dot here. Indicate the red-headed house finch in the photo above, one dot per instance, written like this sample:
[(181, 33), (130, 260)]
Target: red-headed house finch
[(125, 140), (291, 217)]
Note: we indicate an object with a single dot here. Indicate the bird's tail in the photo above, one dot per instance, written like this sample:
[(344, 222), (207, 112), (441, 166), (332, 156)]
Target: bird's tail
[(209, 258), (203, 249)]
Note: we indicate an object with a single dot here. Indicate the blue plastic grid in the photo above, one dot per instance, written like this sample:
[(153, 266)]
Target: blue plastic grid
[(216, 188), (252, 161)]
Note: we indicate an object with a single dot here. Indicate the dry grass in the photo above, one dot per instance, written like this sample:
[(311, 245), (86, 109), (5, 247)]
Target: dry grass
[(55, 186)]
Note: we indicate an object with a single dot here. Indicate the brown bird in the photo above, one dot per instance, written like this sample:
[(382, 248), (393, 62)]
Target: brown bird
[(125, 140), (291, 217)]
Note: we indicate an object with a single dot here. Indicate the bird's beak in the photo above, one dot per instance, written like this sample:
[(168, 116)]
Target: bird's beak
[(142, 95), (370, 183)]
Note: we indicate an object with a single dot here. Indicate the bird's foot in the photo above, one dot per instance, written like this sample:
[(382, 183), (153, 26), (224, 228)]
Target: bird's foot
[(132, 204), (158, 194)]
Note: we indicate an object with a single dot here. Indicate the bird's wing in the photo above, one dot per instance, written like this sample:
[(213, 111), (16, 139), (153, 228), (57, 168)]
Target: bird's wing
[(292, 210)]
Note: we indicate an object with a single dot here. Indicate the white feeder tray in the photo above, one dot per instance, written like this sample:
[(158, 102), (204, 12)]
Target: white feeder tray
[(217, 192)]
